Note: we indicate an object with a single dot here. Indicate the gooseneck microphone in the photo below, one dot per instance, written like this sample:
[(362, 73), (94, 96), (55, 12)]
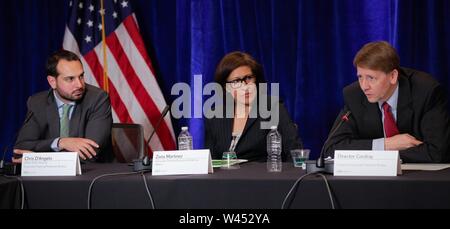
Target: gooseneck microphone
[(320, 165), (10, 168), (321, 160), (163, 113), (145, 163)]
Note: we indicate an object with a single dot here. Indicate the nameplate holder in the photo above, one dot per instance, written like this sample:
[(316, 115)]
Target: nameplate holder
[(51, 164), (179, 162), (366, 163)]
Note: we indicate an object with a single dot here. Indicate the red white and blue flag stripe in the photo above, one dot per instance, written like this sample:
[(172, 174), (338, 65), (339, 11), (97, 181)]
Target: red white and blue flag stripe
[(121, 55)]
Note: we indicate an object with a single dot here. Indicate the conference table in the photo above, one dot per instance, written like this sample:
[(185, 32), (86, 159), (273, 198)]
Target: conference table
[(249, 187), (10, 193)]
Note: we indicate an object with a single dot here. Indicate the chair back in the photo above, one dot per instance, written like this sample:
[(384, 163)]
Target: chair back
[(127, 142)]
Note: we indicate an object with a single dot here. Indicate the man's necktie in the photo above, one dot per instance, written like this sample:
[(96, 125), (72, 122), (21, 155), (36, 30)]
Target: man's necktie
[(390, 127), (64, 121)]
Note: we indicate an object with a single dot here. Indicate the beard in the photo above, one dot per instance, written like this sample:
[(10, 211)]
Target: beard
[(73, 96)]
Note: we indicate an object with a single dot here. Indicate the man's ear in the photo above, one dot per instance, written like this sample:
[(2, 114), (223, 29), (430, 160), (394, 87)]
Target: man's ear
[(393, 76), (52, 81)]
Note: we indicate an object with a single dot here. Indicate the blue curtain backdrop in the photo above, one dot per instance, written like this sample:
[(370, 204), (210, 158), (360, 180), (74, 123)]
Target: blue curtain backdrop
[(306, 46)]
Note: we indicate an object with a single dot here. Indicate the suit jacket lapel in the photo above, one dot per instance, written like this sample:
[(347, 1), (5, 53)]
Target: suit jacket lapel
[(404, 110), (227, 126), (251, 119), (54, 120), (52, 115), (75, 120), (248, 125), (372, 119)]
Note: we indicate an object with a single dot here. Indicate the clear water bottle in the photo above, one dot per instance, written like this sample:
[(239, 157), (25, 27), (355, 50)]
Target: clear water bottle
[(184, 139), (274, 150)]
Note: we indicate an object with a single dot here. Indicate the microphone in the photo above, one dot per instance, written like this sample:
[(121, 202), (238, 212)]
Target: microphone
[(10, 168), (145, 164), (320, 165)]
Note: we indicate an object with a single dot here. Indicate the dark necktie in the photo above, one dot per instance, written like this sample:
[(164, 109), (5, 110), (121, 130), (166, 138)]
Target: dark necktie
[(390, 127)]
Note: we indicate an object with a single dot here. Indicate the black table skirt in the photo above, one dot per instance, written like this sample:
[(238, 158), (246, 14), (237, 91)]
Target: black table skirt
[(9, 193), (249, 187)]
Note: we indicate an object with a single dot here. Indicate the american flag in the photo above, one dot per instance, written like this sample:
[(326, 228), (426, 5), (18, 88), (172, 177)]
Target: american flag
[(105, 34)]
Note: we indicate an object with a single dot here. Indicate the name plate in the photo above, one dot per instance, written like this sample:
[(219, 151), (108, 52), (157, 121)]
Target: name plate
[(179, 162), (51, 164), (366, 163)]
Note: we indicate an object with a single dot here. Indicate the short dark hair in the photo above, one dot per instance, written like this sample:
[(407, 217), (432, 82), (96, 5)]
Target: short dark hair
[(54, 59), (234, 60), (378, 55)]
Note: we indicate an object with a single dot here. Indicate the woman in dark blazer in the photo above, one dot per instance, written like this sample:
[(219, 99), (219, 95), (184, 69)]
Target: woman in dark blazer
[(240, 130)]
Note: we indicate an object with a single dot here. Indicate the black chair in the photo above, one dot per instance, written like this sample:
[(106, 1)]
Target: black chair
[(127, 142)]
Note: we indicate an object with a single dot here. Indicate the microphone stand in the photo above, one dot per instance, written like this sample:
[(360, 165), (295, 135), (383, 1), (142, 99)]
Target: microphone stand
[(145, 164), (321, 165)]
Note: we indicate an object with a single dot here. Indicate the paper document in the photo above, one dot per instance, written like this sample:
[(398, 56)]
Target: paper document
[(424, 166)]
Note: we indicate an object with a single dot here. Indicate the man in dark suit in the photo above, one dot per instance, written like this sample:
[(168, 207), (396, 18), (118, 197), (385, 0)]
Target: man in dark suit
[(393, 108), (71, 116)]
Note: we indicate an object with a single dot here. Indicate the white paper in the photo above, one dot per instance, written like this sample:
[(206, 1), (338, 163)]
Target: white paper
[(179, 162), (366, 163), (51, 164)]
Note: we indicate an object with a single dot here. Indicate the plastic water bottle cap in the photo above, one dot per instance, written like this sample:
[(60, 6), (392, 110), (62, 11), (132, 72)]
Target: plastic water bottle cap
[(184, 128), (273, 127)]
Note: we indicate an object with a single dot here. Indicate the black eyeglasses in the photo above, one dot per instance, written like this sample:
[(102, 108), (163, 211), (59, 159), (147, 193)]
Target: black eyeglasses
[(237, 83)]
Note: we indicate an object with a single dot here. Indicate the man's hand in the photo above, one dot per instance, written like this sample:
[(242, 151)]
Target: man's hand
[(84, 147), (401, 142), (17, 157)]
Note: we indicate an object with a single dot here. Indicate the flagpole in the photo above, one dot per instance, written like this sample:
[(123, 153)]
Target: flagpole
[(105, 61)]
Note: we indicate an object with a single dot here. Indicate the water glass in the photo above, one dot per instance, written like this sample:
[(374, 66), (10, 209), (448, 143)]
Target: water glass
[(230, 160), (299, 156)]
